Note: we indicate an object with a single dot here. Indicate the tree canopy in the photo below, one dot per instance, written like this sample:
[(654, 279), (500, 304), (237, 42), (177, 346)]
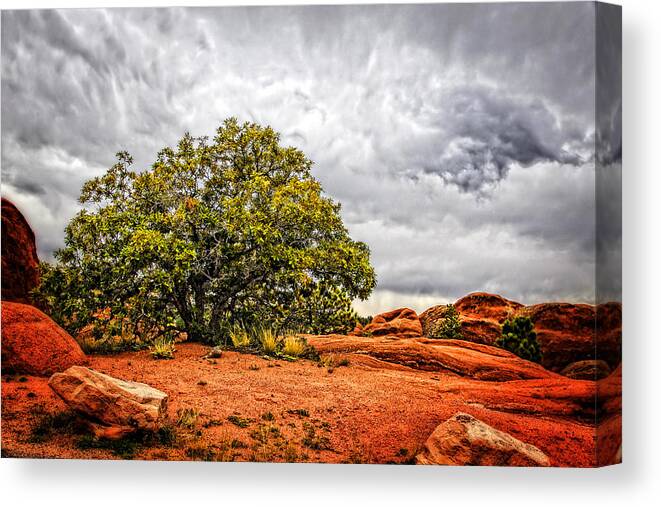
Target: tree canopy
[(232, 229)]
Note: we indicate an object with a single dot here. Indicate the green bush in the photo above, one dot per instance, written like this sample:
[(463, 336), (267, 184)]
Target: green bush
[(519, 337), (449, 327)]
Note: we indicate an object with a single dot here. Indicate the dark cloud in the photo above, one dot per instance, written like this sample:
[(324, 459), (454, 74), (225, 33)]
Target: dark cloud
[(458, 138)]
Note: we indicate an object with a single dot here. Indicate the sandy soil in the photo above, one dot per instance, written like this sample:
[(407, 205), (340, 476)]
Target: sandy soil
[(369, 411)]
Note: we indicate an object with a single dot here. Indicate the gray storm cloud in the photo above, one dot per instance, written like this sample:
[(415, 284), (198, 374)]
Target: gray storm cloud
[(458, 138)]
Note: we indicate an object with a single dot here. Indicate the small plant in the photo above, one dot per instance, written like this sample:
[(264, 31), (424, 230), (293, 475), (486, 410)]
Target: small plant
[(163, 348), (293, 346), (187, 417), (332, 361), (268, 416), (268, 341), (449, 327), (238, 444), (241, 422), (519, 337), (201, 453), (167, 435), (239, 337), (125, 448), (50, 425), (302, 412), (313, 441)]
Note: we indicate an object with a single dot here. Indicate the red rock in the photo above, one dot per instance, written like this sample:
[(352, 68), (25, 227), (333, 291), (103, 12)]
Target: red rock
[(20, 265), (460, 357), (403, 323), (464, 440), (591, 369), (481, 315), (566, 332), (483, 305), (32, 343)]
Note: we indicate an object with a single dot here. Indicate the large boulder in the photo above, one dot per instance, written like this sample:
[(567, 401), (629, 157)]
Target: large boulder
[(567, 332), (464, 440), (20, 265), (33, 343), (112, 406), (402, 323), (481, 314)]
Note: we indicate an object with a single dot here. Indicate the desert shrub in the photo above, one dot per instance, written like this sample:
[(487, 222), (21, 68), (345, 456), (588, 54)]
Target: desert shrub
[(518, 336), (235, 228), (449, 327), (312, 440), (331, 361), (163, 348), (293, 346), (237, 420), (50, 425), (187, 417)]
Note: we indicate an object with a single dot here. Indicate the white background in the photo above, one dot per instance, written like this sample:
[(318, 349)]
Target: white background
[(635, 482)]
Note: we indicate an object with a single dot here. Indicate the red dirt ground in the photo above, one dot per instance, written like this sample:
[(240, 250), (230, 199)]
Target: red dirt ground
[(370, 411)]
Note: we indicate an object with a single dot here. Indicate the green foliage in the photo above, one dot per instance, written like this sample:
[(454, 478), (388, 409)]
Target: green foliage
[(163, 348), (519, 337), (321, 308), (449, 327), (232, 229)]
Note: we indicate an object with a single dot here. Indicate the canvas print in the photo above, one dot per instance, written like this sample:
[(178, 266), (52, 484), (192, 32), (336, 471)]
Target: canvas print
[(378, 234)]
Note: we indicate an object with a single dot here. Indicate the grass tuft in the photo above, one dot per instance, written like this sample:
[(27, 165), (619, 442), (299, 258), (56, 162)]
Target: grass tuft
[(163, 348)]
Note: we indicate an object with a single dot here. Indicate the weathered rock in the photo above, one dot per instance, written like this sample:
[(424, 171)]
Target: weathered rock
[(566, 332), (403, 323), (591, 369), (114, 407), (214, 353), (464, 440), (33, 343), (481, 315), (461, 357), (20, 264)]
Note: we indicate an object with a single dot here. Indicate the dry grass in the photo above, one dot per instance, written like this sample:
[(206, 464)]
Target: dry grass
[(293, 346)]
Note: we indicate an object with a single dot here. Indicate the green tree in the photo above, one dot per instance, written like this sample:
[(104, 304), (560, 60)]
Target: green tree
[(449, 327), (235, 229), (519, 337)]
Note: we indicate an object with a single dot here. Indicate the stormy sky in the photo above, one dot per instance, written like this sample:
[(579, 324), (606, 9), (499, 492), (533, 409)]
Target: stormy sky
[(459, 139)]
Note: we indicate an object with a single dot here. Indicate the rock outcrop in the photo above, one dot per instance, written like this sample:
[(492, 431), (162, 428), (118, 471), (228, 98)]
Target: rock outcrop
[(460, 357), (20, 265), (567, 332), (402, 323), (33, 343), (465, 440), (591, 369), (113, 407)]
